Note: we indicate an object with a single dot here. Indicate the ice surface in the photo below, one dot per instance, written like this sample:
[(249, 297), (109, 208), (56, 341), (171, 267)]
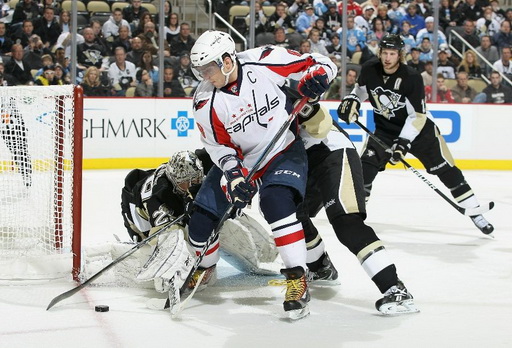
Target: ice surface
[(461, 280)]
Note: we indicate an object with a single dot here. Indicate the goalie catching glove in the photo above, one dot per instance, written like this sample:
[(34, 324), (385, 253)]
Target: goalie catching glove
[(237, 190), (314, 83), (348, 110), (399, 149)]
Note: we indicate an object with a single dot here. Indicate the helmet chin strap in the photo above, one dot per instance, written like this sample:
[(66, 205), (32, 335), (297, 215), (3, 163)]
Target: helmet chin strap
[(227, 74)]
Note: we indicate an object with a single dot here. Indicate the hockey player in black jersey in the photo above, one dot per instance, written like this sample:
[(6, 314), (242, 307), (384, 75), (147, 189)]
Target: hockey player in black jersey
[(397, 95), (335, 182)]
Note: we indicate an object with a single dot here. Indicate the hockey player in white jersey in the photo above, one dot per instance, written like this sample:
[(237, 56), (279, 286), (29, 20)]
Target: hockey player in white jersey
[(239, 107)]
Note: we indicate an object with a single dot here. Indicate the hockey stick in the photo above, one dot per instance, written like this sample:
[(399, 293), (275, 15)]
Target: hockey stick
[(464, 211), (136, 247), (229, 211)]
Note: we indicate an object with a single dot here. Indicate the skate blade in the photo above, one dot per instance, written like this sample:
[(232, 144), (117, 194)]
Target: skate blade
[(297, 314), (404, 307)]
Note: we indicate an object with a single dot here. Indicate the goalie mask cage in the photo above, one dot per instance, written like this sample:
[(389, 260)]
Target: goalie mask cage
[(40, 182)]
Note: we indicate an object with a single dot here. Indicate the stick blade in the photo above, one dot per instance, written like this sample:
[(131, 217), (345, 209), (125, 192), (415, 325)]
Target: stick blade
[(64, 296)]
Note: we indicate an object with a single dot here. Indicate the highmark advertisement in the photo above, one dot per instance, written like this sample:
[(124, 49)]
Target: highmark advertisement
[(133, 132)]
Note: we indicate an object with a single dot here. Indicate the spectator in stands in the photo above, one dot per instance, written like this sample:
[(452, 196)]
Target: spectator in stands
[(503, 38), (46, 60), (47, 27), (407, 38), (111, 27), (355, 36), (281, 40), (332, 18), (90, 53), (62, 60), (429, 32), (62, 75), (146, 63), (297, 8), (18, 68), (470, 65), (387, 22), (183, 42), (47, 78), (150, 40), (25, 9), (415, 61), (469, 34), (280, 18), (305, 47), (504, 65), (133, 13), (306, 21), (416, 20), (184, 72), (135, 54), (426, 51), (34, 51), (173, 29), (65, 40), (363, 22), (146, 86), (444, 95), (334, 91), (487, 25), (145, 18), (462, 92), (98, 36), (444, 65), (496, 92), (172, 87), (427, 74), (489, 52), (65, 21), (124, 39), (5, 41), (167, 14), (325, 33), (377, 29), (321, 7), (23, 37), (92, 85), (122, 73), (317, 46), (447, 15), (469, 10), (396, 12), (260, 19), (353, 8), (335, 46), (50, 3)]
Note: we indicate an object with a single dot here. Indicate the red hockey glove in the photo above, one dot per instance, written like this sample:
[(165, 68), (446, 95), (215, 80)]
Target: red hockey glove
[(314, 83)]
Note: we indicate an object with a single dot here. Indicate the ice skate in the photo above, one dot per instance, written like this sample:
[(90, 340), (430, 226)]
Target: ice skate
[(326, 274), (396, 300), (201, 278), (297, 294), (482, 224)]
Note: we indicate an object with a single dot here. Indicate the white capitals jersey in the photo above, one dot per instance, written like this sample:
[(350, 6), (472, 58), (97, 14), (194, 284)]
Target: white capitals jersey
[(241, 119)]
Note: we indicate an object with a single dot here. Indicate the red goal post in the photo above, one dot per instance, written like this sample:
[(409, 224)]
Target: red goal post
[(40, 182)]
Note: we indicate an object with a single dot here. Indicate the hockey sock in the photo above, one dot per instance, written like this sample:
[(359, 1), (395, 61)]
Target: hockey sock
[(279, 209), (459, 188), (377, 264)]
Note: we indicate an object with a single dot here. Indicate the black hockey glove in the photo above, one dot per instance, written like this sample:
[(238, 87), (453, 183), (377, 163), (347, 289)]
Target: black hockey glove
[(237, 190), (399, 149), (314, 83), (349, 107)]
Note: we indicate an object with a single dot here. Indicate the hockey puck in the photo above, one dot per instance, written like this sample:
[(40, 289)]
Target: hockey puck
[(101, 308)]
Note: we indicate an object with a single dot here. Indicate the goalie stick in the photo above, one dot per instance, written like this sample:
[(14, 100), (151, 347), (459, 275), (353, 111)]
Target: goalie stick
[(174, 301), (136, 247), (481, 209)]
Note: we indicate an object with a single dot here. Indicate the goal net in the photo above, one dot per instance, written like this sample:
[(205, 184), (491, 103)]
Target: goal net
[(40, 182)]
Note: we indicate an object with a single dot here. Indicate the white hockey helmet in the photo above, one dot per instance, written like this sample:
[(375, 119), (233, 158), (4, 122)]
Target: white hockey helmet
[(184, 166), (209, 51)]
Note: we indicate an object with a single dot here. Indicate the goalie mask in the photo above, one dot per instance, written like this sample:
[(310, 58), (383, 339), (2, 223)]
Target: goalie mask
[(184, 167)]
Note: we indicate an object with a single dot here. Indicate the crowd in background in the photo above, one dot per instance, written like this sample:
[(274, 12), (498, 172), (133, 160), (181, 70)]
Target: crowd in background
[(117, 54)]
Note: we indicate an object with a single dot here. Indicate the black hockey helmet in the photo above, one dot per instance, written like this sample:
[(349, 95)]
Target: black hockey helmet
[(392, 41)]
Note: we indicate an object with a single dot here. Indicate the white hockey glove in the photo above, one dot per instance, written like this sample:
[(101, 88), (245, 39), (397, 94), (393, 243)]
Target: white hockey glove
[(349, 107)]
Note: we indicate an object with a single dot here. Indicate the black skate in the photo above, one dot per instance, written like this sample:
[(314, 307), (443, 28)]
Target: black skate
[(482, 224), (396, 300), (326, 274), (297, 294)]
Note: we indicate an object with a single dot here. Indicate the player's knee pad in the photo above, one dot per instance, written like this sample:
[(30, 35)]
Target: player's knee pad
[(353, 232), (277, 202)]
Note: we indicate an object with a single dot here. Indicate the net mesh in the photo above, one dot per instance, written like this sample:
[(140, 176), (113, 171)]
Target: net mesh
[(36, 181)]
